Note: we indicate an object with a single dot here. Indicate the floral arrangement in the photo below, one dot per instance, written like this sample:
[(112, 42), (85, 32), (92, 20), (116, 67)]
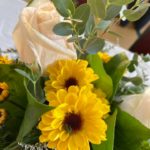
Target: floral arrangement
[(65, 92)]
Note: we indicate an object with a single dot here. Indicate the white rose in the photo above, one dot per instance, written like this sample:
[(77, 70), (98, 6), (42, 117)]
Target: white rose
[(138, 106), (34, 37)]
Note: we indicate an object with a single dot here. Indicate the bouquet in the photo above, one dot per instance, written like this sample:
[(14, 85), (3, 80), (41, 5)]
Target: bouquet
[(65, 91)]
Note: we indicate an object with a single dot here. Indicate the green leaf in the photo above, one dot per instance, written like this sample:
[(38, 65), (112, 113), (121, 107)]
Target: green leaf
[(16, 102), (97, 7), (116, 67), (104, 82), (130, 133), (63, 29), (89, 25), (115, 34), (64, 7), (95, 45), (137, 13), (120, 2), (112, 11), (82, 13), (109, 143), (103, 25), (32, 115)]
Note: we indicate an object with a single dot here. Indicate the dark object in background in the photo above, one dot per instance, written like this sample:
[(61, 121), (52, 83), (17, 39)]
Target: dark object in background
[(80, 2), (142, 45)]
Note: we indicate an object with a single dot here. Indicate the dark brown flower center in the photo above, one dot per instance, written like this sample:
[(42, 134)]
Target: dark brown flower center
[(72, 122), (71, 81), (1, 90)]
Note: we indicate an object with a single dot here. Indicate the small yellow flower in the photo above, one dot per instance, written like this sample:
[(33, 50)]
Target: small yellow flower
[(3, 115), (104, 56), (5, 60), (66, 73), (3, 91), (76, 121)]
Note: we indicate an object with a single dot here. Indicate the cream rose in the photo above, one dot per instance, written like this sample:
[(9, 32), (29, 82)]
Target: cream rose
[(138, 106), (34, 37)]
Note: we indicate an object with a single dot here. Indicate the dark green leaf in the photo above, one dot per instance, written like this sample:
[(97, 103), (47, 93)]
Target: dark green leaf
[(120, 2), (16, 102), (116, 67), (97, 7), (63, 29), (136, 14), (95, 45), (109, 144), (112, 11), (33, 113), (64, 7), (130, 133), (82, 13), (104, 82)]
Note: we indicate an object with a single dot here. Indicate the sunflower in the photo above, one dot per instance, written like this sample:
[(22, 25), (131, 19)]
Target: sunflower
[(5, 60), (76, 121), (3, 115), (3, 91), (66, 73), (104, 56)]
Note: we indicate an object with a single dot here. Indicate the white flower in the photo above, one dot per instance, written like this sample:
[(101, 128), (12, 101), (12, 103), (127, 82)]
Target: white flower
[(138, 106), (34, 37)]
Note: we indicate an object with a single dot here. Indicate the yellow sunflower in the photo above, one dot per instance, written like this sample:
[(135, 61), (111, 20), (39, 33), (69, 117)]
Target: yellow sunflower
[(105, 57), (3, 91), (66, 73), (5, 60), (76, 121), (3, 115)]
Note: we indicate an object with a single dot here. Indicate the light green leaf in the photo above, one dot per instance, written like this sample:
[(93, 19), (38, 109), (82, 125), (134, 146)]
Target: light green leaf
[(120, 2), (137, 13), (82, 13), (104, 82), (63, 29), (103, 25), (130, 133), (95, 45), (64, 7), (116, 67), (97, 7), (115, 34), (112, 11), (32, 115), (109, 143)]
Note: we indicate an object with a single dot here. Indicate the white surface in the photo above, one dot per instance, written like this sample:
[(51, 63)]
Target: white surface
[(9, 14)]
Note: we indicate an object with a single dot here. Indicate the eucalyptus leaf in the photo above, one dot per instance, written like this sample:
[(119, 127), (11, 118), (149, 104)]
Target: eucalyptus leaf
[(116, 68), (95, 45), (98, 7), (109, 143), (103, 25), (112, 11), (137, 13), (82, 13), (130, 133), (64, 7), (32, 115), (120, 2), (104, 82), (63, 29)]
